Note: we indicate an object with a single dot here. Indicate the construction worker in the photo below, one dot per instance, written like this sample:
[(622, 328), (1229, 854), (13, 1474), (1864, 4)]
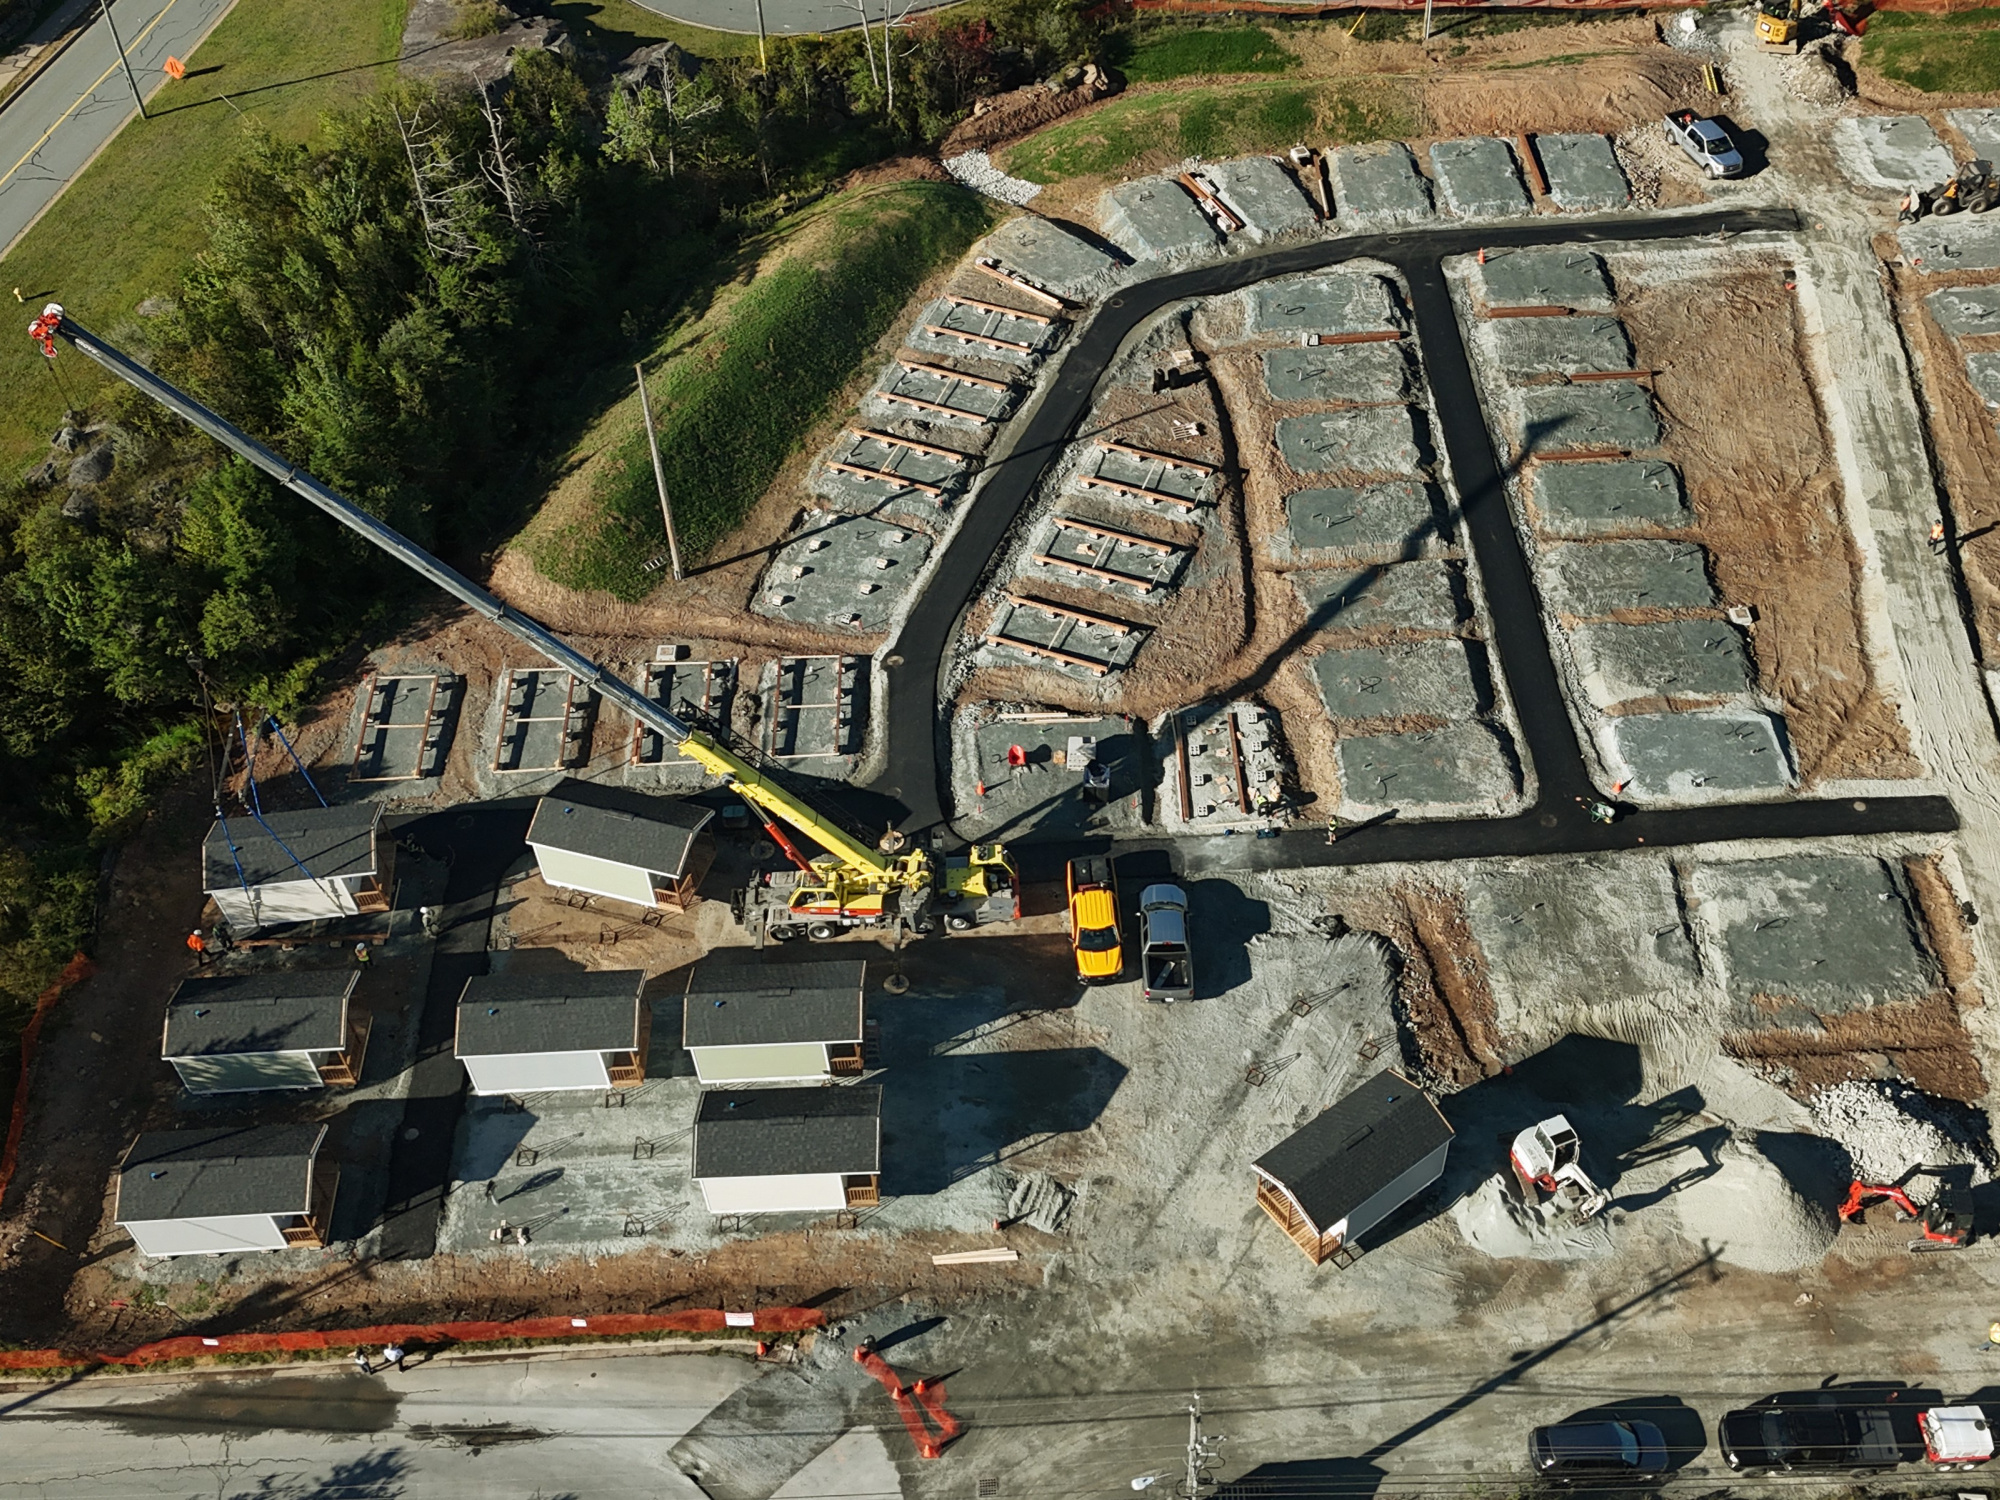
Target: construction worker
[(361, 954), (392, 1357), (361, 1363), (1937, 536), (198, 946)]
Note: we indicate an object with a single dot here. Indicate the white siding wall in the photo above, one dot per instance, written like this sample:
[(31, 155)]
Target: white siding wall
[(583, 872), (771, 1064), (773, 1195), (284, 901), (248, 1071), (537, 1072), (207, 1236), (1397, 1193)]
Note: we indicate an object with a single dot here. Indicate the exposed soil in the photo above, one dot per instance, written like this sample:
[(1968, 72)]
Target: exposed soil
[(1944, 924), (1924, 1042), (1745, 429), (1007, 117), (1449, 1006), (601, 935)]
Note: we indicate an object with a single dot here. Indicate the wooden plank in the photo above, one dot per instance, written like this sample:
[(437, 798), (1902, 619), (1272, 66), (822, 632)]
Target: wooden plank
[(1236, 760), (1094, 482), (994, 1257), (1070, 523), (1159, 458), (890, 440), (1546, 310), (1206, 197), (1615, 375), (994, 307), (978, 338), (987, 266), (1532, 164), (1066, 612), (1049, 560), (1581, 455), (1369, 336), (1100, 668), (922, 405), (946, 372), (894, 481), (1181, 756)]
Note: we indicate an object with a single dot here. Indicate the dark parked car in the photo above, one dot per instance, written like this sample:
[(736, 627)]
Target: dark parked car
[(1822, 1432), (1597, 1452)]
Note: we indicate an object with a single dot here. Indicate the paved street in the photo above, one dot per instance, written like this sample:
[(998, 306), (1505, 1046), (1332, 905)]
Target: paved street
[(51, 129), (784, 17)]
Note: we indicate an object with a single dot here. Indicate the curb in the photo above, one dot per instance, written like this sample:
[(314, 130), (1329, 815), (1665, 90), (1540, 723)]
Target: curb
[(46, 61)]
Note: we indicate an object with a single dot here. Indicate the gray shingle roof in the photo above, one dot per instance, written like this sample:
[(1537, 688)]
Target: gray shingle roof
[(1345, 1155), (748, 1005), (647, 833), (303, 1010), (215, 1172), (506, 1015), (329, 841), (777, 1132)]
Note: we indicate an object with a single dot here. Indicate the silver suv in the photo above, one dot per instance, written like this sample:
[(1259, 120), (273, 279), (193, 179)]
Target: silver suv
[(1165, 964)]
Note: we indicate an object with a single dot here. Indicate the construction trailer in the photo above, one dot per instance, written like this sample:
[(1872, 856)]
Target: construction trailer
[(650, 851), (224, 1190), (547, 1033), (276, 868), (1351, 1166), (775, 1023), (774, 1151), (285, 1029)]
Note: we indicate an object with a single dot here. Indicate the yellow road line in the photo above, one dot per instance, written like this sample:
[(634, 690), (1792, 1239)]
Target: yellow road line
[(78, 103)]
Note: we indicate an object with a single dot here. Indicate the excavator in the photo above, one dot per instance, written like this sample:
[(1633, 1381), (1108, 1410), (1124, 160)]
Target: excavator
[(1778, 25), (1548, 1158), (848, 886), (1945, 1222)]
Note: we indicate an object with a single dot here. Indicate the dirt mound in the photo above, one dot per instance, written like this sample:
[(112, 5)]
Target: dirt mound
[(1889, 1128), (1496, 1222), (1603, 94), (1752, 1215), (1003, 117)]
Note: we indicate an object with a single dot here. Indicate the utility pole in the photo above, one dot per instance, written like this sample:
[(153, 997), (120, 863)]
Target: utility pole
[(763, 62), (1197, 1481), (137, 98), (659, 476), (1427, 22)]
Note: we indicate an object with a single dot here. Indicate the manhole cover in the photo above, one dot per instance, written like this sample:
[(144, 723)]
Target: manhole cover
[(412, 1133), (1548, 820)]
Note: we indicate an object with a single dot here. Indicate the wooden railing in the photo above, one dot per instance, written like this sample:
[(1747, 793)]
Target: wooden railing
[(343, 1069), (864, 1192), (845, 1061), (371, 897), (627, 1070), (1287, 1217)]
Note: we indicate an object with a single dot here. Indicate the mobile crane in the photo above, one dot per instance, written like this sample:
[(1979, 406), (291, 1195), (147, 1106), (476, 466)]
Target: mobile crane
[(849, 886)]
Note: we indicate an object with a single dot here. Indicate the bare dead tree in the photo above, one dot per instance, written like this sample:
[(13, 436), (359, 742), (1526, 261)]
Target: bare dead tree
[(891, 19), (499, 164), (868, 41), (680, 115), (438, 186)]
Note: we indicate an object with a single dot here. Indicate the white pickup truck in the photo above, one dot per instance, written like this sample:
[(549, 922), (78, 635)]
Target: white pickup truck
[(1707, 144)]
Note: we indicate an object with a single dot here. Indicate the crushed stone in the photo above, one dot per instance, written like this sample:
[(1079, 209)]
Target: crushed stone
[(1644, 152), (1752, 1216), (976, 170), (1496, 1222), (1041, 1202), (1815, 77), (1888, 1128)]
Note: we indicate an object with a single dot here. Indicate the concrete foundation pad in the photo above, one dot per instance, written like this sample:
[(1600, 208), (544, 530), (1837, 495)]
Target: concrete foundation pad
[(934, 391), (814, 707), (1891, 152), (1686, 755), (1408, 596), (1558, 276), (1378, 521), (1432, 678), (847, 573), (1962, 242), (1981, 129), (1613, 414), (1339, 372), (1084, 558), (1586, 499), (1583, 173), (971, 332), (1984, 370), (1263, 195), (1233, 754), (1329, 302), (1676, 659), (1032, 626), (1047, 793), (1596, 578), (1379, 184), (1153, 219), (1361, 440), (1049, 255), (1567, 346), (1830, 932), (1461, 766), (1479, 178), (1960, 310), (1145, 474)]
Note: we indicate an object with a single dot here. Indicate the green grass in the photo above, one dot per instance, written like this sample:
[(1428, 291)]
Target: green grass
[(1156, 55), (1214, 122), (128, 226), (736, 395), (1957, 54)]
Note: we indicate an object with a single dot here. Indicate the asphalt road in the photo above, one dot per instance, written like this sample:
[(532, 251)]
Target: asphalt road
[(784, 17), (50, 130)]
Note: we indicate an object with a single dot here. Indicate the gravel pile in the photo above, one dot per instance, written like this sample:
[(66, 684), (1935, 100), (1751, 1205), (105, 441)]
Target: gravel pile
[(1752, 1216), (1814, 78), (1644, 152), (976, 170), (1888, 1128), (1496, 1223)]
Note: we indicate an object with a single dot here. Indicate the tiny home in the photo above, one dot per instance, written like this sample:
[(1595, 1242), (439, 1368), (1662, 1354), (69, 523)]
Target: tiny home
[(287, 1029), (609, 842), (320, 864), (223, 1190), (775, 1023), (771, 1151), (1351, 1166), (543, 1033)]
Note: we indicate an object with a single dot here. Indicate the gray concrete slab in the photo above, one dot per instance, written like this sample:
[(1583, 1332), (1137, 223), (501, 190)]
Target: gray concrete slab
[(1047, 793), (1524, 914), (1962, 242), (1479, 178), (1610, 414), (1339, 372), (545, 721), (705, 690), (1236, 763), (1263, 195), (815, 707), (1027, 625), (1431, 678), (1155, 219), (1088, 559), (905, 496), (1891, 152), (1981, 129), (1596, 578), (1588, 499), (1141, 473), (1983, 369), (1557, 276), (1831, 933), (1399, 518), (951, 329), (1676, 658), (1583, 173), (897, 394), (1459, 766), (1960, 310), (403, 727), (1566, 346), (1359, 440), (1329, 302), (846, 573), (1049, 255), (1379, 184), (1425, 595), (1683, 756)]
